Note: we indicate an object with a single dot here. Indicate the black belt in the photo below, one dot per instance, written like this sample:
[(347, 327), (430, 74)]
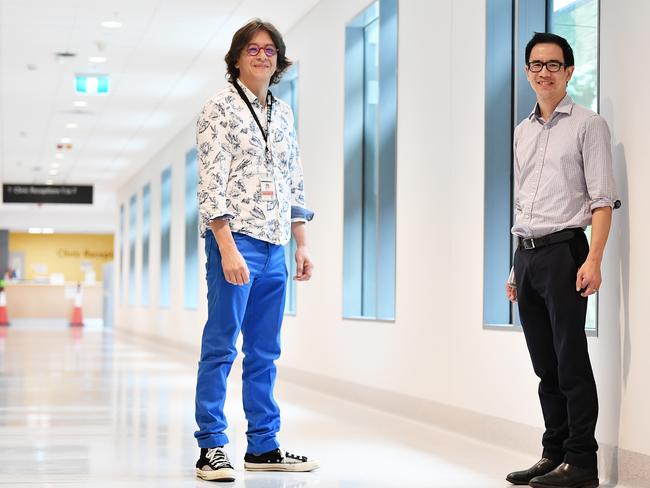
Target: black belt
[(561, 236)]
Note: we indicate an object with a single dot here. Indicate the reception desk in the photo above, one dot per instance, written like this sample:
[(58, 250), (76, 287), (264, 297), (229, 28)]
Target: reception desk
[(42, 300)]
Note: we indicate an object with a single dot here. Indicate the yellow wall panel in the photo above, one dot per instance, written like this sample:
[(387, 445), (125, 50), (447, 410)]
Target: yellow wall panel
[(62, 253)]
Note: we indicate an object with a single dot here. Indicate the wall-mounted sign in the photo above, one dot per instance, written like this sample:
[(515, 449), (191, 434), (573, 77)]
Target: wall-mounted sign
[(85, 253), (91, 84), (12, 193)]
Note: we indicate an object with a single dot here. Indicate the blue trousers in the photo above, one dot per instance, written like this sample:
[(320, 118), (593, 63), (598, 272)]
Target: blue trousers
[(257, 310)]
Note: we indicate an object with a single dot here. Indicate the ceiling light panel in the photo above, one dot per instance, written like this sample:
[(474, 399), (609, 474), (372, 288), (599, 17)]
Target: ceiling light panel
[(111, 24)]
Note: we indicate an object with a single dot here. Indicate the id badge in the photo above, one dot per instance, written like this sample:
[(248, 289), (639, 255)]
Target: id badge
[(268, 189)]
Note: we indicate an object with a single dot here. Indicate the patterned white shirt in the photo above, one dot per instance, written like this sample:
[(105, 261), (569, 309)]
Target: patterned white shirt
[(233, 163), (563, 170)]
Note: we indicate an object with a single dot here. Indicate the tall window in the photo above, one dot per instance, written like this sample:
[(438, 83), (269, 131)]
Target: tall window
[(287, 90), (133, 207), (577, 22), (509, 99), (370, 157), (165, 237), (122, 277), (146, 213), (191, 231)]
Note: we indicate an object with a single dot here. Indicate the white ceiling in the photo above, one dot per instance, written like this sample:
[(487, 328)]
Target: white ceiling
[(164, 62)]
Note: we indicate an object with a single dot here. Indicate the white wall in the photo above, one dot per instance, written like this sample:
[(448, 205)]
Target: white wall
[(437, 349), (174, 324), (624, 102)]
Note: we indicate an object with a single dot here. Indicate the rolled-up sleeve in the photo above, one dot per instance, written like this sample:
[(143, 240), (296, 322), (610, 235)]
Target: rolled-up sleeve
[(214, 160), (597, 160), (299, 212)]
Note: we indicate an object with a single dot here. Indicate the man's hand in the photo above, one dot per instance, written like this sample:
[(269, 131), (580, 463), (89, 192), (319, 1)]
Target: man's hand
[(511, 292), (588, 278), (234, 267), (304, 266)]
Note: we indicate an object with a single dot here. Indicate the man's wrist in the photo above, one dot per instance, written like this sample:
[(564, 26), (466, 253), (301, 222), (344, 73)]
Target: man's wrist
[(595, 257)]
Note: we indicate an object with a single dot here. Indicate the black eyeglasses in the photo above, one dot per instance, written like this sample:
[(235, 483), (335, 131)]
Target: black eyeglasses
[(254, 49), (551, 66)]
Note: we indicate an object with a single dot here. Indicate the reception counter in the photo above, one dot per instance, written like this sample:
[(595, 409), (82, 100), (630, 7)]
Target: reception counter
[(42, 300)]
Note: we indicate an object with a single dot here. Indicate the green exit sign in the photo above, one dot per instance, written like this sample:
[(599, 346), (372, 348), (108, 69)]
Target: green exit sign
[(91, 84)]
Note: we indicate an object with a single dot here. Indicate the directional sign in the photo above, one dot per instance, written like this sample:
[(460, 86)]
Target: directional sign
[(16, 193)]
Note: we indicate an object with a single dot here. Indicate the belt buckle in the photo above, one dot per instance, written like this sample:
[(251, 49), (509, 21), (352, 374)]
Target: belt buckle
[(529, 243)]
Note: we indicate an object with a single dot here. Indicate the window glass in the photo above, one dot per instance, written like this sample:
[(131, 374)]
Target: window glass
[(122, 278), (165, 236), (577, 22), (133, 207), (510, 25), (287, 90), (146, 213), (191, 231), (369, 189)]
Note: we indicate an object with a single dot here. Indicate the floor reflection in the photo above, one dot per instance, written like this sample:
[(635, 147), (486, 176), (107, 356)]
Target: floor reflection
[(80, 408)]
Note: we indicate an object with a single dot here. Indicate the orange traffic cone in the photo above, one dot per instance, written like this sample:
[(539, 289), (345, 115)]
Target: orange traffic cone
[(4, 319), (77, 317)]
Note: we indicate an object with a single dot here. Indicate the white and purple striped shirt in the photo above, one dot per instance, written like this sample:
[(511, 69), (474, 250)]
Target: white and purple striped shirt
[(562, 169)]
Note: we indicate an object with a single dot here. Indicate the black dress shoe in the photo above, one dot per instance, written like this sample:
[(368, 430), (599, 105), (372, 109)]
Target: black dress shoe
[(567, 476), (542, 466)]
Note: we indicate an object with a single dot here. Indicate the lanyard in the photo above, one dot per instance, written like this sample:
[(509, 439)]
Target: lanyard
[(269, 101)]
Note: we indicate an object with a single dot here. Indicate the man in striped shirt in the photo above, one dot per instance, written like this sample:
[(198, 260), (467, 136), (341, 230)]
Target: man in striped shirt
[(563, 183)]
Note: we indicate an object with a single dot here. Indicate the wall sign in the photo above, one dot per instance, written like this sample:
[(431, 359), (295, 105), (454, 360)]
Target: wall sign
[(12, 193)]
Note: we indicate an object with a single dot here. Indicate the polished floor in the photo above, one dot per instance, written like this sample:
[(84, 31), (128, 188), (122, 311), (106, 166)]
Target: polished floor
[(84, 408)]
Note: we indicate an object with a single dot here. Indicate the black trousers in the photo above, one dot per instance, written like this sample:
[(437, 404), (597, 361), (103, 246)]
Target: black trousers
[(553, 319)]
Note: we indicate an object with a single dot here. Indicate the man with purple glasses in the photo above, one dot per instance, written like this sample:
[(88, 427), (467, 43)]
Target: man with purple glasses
[(251, 200)]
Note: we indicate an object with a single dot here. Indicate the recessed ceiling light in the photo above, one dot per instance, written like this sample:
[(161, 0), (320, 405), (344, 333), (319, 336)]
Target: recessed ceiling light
[(49, 182), (59, 156), (56, 165), (111, 24), (71, 125), (97, 59), (52, 172), (80, 103), (48, 230), (35, 230), (66, 140)]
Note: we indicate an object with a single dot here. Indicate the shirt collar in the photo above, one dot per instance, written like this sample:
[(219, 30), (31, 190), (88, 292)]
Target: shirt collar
[(564, 107), (249, 94)]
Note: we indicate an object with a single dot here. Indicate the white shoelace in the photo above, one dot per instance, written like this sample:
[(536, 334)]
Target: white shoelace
[(217, 458)]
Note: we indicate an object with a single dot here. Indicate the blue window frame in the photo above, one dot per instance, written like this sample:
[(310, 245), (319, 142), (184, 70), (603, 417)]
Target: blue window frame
[(133, 208), (287, 90), (191, 231), (370, 163), (165, 237), (146, 215), (509, 99)]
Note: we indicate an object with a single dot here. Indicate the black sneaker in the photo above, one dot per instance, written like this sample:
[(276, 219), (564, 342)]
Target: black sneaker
[(277, 461), (213, 465)]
